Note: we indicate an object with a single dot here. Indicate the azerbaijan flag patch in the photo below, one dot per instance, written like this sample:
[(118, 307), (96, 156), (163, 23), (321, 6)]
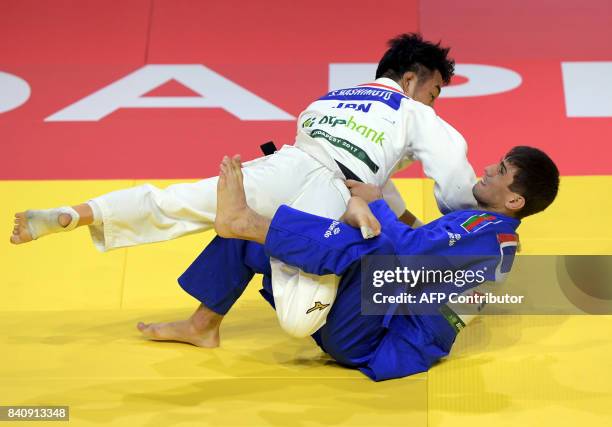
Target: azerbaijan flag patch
[(476, 222)]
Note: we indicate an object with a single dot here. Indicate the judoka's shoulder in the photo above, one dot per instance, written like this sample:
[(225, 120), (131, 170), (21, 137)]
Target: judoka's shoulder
[(478, 231), (479, 223)]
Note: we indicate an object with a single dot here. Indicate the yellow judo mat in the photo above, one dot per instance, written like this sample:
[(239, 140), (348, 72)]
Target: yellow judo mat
[(68, 337)]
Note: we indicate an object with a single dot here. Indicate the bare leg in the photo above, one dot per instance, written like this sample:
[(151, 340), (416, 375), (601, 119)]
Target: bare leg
[(21, 231), (235, 219), (85, 212), (201, 329)]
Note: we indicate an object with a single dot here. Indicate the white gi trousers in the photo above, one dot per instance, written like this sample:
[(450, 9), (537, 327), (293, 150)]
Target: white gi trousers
[(147, 214)]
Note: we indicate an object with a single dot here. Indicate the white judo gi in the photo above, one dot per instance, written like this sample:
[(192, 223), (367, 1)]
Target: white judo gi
[(373, 130)]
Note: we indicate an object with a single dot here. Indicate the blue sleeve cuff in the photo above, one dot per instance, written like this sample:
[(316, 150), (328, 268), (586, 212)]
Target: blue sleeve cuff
[(383, 213)]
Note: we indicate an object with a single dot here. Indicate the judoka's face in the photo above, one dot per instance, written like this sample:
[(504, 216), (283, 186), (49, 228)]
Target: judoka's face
[(493, 191), (425, 89)]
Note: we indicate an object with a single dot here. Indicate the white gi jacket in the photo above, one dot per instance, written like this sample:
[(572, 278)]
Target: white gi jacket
[(376, 130)]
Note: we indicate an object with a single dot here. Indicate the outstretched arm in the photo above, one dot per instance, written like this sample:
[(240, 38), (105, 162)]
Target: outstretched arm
[(443, 153)]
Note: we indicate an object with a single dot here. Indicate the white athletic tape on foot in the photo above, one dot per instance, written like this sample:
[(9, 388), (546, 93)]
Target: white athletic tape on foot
[(97, 213), (43, 222)]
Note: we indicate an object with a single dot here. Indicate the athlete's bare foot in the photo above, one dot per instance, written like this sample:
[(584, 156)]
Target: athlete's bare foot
[(201, 329), (234, 217), (181, 331), (359, 215), (21, 230)]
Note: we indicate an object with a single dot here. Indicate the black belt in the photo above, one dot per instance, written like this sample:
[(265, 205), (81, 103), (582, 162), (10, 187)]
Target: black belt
[(269, 148), (348, 174)]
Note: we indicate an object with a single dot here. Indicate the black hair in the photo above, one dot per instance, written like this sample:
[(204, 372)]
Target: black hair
[(536, 178), (409, 52)]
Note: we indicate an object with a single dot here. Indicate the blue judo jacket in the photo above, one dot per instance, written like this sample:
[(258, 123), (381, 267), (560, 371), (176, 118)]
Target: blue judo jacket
[(413, 342), (382, 347)]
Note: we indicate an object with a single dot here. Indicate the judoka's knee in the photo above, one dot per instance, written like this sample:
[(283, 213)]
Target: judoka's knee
[(302, 300), (300, 326), (301, 317)]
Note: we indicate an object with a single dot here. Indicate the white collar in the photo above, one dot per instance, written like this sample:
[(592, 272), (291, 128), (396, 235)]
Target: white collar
[(388, 83)]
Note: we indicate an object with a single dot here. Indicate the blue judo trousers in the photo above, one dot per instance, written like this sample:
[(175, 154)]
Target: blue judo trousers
[(380, 346)]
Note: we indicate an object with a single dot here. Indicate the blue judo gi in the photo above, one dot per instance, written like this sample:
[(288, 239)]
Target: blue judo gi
[(380, 346)]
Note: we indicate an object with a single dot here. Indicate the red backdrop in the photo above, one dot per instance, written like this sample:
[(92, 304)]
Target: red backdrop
[(281, 51)]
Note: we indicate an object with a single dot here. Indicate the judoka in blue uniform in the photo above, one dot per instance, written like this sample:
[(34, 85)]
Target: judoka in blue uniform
[(381, 346)]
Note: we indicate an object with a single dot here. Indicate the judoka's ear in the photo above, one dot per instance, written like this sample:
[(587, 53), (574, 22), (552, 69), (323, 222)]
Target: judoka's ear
[(515, 202), (409, 82)]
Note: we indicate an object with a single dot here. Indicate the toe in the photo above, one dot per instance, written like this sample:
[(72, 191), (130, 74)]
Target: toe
[(144, 328), (236, 162), (224, 168), (149, 331)]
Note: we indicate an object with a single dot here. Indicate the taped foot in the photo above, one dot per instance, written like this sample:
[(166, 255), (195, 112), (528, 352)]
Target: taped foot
[(34, 224)]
